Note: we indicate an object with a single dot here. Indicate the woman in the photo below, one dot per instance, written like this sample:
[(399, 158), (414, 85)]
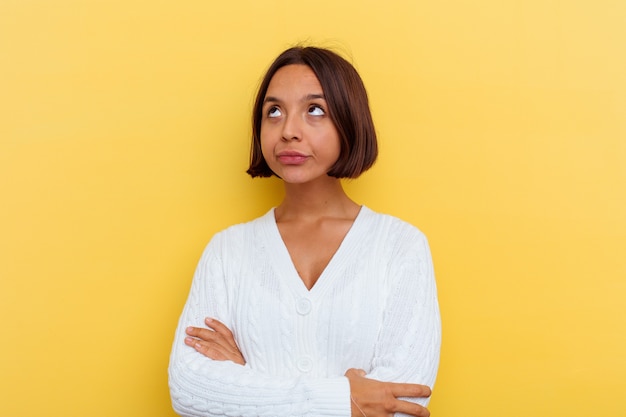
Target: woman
[(321, 307)]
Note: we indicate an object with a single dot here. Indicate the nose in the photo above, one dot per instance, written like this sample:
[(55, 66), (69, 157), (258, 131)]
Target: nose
[(292, 129)]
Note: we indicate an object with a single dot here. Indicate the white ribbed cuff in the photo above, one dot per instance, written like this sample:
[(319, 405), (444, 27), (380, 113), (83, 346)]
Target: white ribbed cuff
[(331, 397)]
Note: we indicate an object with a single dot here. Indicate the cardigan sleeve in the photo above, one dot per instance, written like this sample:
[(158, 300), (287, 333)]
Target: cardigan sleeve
[(200, 386), (410, 337)]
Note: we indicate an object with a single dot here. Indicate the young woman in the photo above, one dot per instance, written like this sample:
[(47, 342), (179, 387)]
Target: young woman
[(321, 307)]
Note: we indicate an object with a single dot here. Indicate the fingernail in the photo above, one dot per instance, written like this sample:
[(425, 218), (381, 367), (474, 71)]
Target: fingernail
[(208, 320), (188, 340)]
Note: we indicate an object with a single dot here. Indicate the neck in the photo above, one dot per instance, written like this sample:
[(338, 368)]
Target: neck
[(316, 199)]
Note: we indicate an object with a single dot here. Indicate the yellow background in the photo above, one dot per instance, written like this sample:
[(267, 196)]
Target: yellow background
[(124, 130)]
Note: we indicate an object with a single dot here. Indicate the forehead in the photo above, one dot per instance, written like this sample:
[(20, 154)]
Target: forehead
[(295, 79)]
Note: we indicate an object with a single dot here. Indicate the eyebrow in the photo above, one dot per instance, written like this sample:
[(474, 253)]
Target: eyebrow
[(272, 99)]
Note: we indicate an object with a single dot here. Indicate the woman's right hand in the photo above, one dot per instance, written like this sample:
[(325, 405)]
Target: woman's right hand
[(376, 398), (217, 342)]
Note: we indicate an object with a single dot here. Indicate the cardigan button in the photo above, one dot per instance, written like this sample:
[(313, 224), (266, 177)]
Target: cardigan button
[(304, 364), (303, 306)]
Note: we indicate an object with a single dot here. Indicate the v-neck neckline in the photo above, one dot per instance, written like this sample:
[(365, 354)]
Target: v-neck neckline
[(283, 264)]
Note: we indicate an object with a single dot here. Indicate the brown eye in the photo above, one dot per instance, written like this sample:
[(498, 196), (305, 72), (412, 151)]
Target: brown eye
[(316, 110), (274, 112)]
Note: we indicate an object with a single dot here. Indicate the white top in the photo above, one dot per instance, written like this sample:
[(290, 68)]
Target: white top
[(374, 307)]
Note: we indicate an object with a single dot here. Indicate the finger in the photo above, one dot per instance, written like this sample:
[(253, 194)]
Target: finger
[(212, 337), (221, 329), (204, 334), (411, 409), (410, 390), (208, 349), (353, 372), (214, 350)]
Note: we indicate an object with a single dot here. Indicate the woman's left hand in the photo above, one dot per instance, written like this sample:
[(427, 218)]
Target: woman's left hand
[(217, 342)]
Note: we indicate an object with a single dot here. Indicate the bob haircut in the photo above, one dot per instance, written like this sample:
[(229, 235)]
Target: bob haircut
[(348, 108)]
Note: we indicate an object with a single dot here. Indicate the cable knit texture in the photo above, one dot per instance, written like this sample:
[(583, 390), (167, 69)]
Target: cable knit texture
[(374, 307)]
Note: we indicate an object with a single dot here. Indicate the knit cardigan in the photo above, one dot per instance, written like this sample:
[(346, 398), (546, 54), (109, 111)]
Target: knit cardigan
[(374, 307)]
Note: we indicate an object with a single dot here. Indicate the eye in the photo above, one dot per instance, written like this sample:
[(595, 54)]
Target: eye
[(273, 112), (315, 110)]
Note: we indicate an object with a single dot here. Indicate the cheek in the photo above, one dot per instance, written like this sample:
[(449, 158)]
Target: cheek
[(334, 150), (266, 146)]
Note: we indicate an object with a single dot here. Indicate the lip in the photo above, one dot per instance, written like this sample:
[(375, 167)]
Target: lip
[(292, 157)]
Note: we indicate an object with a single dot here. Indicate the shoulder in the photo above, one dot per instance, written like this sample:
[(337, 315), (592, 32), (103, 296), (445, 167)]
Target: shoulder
[(396, 240), (236, 237), (391, 227), (244, 229), (404, 247), (398, 248)]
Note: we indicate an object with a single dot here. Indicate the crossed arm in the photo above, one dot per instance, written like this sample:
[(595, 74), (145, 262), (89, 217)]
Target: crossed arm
[(369, 397), (219, 382)]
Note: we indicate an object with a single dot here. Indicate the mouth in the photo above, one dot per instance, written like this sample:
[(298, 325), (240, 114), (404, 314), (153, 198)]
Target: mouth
[(292, 157)]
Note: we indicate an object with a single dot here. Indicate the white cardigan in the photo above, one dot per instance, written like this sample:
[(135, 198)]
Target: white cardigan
[(374, 307)]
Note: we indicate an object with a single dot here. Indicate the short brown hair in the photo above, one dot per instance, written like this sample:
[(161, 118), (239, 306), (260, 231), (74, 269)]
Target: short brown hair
[(348, 108)]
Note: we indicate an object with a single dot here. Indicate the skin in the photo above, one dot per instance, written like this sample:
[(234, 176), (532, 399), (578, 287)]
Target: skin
[(300, 143), (316, 213)]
